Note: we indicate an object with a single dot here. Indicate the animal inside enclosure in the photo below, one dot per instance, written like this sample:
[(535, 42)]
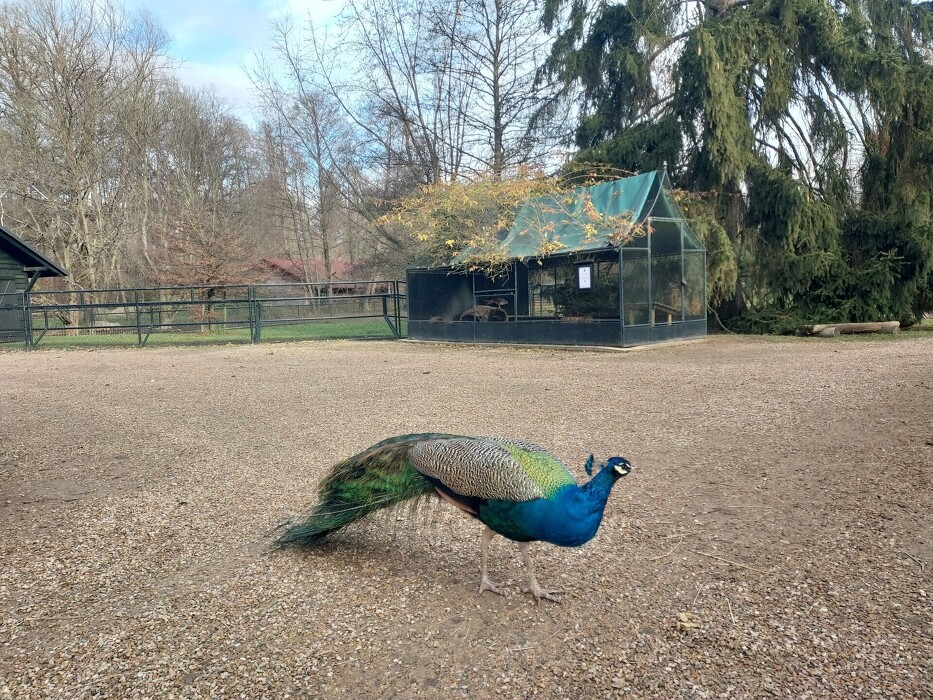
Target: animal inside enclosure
[(773, 536)]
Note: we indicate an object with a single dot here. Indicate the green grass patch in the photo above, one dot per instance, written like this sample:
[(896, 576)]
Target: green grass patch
[(321, 330), (312, 330)]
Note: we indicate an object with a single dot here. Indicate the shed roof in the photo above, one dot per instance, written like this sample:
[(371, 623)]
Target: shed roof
[(28, 256), (563, 218)]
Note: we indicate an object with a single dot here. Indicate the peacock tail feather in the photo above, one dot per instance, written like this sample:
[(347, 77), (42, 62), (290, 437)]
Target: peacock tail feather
[(377, 478)]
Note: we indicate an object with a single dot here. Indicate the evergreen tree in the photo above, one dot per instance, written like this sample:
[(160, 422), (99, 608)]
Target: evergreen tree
[(806, 124)]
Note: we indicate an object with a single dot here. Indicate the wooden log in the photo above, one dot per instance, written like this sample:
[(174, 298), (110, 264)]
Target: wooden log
[(880, 327), (828, 330)]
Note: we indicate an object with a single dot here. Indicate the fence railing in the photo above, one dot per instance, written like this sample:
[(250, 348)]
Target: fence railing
[(229, 313)]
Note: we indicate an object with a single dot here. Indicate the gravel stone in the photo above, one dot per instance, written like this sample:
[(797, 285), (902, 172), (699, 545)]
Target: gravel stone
[(774, 540)]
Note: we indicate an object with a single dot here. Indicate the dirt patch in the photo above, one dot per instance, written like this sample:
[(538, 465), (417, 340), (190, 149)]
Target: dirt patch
[(781, 501)]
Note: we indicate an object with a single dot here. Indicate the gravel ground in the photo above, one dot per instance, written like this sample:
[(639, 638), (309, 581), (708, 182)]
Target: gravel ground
[(781, 512)]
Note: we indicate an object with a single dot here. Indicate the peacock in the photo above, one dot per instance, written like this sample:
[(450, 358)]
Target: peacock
[(515, 488)]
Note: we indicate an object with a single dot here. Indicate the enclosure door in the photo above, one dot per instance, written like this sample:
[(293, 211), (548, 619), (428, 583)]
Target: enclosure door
[(667, 273), (636, 284)]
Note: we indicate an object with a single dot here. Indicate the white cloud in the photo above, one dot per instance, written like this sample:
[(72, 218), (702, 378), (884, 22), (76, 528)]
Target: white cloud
[(214, 38), (228, 81)]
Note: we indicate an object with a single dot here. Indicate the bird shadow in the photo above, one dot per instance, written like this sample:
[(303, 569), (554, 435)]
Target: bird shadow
[(399, 551)]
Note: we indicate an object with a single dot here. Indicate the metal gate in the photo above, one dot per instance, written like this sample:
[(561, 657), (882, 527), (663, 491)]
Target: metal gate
[(212, 314)]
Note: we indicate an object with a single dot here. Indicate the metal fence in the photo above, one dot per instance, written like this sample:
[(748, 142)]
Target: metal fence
[(230, 313)]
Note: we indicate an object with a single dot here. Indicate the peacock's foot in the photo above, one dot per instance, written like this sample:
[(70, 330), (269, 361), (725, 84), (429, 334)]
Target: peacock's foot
[(487, 585), (540, 593)]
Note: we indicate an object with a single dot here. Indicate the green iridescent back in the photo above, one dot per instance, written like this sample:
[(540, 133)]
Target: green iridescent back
[(491, 468), (548, 472)]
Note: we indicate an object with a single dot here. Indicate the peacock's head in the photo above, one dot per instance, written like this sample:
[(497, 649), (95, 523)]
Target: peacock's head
[(619, 465)]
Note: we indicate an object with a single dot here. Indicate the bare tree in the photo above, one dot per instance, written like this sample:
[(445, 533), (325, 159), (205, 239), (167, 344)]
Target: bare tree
[(323, 194), (404, 82), (388, 72), (205, 178), (71, 74), (495, 49), (404, 94)]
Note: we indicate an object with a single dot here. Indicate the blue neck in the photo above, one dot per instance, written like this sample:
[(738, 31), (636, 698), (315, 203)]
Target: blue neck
[(596, 491), (572, 515)]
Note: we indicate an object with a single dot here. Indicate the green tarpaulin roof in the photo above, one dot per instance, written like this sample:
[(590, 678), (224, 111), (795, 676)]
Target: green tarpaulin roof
[(563, 219)]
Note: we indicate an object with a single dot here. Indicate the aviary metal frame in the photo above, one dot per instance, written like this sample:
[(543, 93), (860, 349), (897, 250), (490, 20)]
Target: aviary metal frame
[(660, 296)]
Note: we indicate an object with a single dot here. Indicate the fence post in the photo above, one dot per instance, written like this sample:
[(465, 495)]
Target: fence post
[(249, 313), (393, 290), (139, 329), (255, 316), (398, 307), (27, 321), (385, 311), (251, 305)]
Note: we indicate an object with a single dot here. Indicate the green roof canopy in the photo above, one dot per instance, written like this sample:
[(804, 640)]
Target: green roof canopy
[(563, 218)]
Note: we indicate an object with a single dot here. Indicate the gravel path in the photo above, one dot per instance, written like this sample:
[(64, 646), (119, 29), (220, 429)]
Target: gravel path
[(781, 512)]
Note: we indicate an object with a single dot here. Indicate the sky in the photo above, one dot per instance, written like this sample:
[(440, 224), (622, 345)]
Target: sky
[(215, 38)]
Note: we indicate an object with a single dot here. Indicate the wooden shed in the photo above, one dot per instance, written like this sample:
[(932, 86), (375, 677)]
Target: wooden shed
[(21, 266)]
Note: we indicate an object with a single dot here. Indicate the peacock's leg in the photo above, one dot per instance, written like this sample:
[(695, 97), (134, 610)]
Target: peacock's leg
[(485, 584), (533, 586)]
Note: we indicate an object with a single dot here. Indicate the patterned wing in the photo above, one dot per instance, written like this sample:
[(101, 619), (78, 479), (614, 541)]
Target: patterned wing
[(491, 469)]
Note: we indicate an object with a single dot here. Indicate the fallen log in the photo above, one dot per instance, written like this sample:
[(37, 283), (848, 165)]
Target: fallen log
[(828, 330)]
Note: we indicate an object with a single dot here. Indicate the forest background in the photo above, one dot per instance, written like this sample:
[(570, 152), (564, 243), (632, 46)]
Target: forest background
[(798, 133)]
